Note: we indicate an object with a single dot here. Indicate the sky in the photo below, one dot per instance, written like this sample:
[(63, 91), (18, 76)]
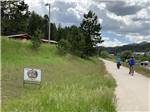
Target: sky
[(122, 21)]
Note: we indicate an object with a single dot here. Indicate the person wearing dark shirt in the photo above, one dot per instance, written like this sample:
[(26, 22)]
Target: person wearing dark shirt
[(131, 65)]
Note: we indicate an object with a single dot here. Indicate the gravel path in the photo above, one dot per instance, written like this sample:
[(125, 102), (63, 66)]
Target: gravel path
[(132, 92)]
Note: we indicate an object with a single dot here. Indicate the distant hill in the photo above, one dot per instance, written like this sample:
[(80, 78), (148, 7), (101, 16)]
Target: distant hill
[(135, 47)]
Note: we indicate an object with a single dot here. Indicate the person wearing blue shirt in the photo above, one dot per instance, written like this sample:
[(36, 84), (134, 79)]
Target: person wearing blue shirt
[(131, 65)]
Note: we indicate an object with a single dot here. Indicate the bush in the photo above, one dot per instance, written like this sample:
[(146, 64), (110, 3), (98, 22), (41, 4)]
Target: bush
[(36, 40), (74, 43), (142, 57), (104, 54), (62, 46)]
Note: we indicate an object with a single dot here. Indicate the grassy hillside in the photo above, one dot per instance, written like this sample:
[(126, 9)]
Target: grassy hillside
[(69, 83)]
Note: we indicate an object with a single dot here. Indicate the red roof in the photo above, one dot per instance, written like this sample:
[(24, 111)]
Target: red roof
[(20, 36)]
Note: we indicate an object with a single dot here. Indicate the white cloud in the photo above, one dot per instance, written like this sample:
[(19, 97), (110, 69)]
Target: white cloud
[(101, 6), (55, 9), (100, 20), (135, 37), (111, 43), (37, 6)]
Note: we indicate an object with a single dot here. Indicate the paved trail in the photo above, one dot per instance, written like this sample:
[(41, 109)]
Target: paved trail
[(132, 92)]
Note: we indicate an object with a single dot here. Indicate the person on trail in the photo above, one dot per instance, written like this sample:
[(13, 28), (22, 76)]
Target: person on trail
[(131, 65), (118, 62)]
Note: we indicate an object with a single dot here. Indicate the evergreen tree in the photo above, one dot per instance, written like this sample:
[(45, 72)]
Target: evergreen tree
[(36, 39), (53, 32), (35, 23), (14, 17), (73, 42), (91, 29), (45, 26), (76, 41), (59, 33)]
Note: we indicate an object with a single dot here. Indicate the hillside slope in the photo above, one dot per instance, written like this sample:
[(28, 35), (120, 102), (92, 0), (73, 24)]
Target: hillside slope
[(69, 83)]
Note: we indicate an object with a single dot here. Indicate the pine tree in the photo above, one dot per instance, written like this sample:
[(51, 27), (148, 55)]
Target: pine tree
[(59, 32), (35, 23), (91, 29), (53, 32), (36, 39), (14, 16), (45, 26)]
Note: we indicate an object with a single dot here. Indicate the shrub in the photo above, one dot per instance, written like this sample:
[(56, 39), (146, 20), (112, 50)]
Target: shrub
[(142, 57), (74, 42), (36, 40), (62, 46), (104, 54)]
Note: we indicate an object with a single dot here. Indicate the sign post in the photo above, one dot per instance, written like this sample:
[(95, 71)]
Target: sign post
[(32, 76)]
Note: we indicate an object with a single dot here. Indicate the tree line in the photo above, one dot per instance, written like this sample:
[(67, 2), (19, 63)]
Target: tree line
[(81, 40), (140, 47), (17, 19), (127, 51)]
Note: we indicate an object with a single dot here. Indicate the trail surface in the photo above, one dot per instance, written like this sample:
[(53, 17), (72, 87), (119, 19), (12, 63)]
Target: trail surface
[(132, 92)]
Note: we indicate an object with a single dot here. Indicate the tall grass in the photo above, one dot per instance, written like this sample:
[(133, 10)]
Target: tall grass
[(69, 83)]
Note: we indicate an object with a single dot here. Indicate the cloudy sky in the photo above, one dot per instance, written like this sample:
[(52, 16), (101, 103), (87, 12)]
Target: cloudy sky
[(122, 21)]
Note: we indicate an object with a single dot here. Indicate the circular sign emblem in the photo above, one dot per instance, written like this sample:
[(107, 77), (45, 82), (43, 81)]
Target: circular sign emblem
[(32, 74)]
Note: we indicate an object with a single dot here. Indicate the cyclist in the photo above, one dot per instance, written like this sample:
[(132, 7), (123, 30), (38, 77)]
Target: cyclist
[(118, 61)]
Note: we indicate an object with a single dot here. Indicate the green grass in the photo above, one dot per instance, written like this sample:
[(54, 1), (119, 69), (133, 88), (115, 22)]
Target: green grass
[(69, 83)]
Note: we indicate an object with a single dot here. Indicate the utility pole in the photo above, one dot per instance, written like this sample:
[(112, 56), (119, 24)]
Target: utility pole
[(49, 24)]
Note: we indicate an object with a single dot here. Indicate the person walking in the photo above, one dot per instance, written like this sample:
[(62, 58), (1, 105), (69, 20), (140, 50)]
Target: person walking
[(118, 61), (131, 65)]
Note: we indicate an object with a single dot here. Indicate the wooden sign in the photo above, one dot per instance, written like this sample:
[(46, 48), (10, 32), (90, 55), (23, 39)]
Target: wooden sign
[(32, 75)]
